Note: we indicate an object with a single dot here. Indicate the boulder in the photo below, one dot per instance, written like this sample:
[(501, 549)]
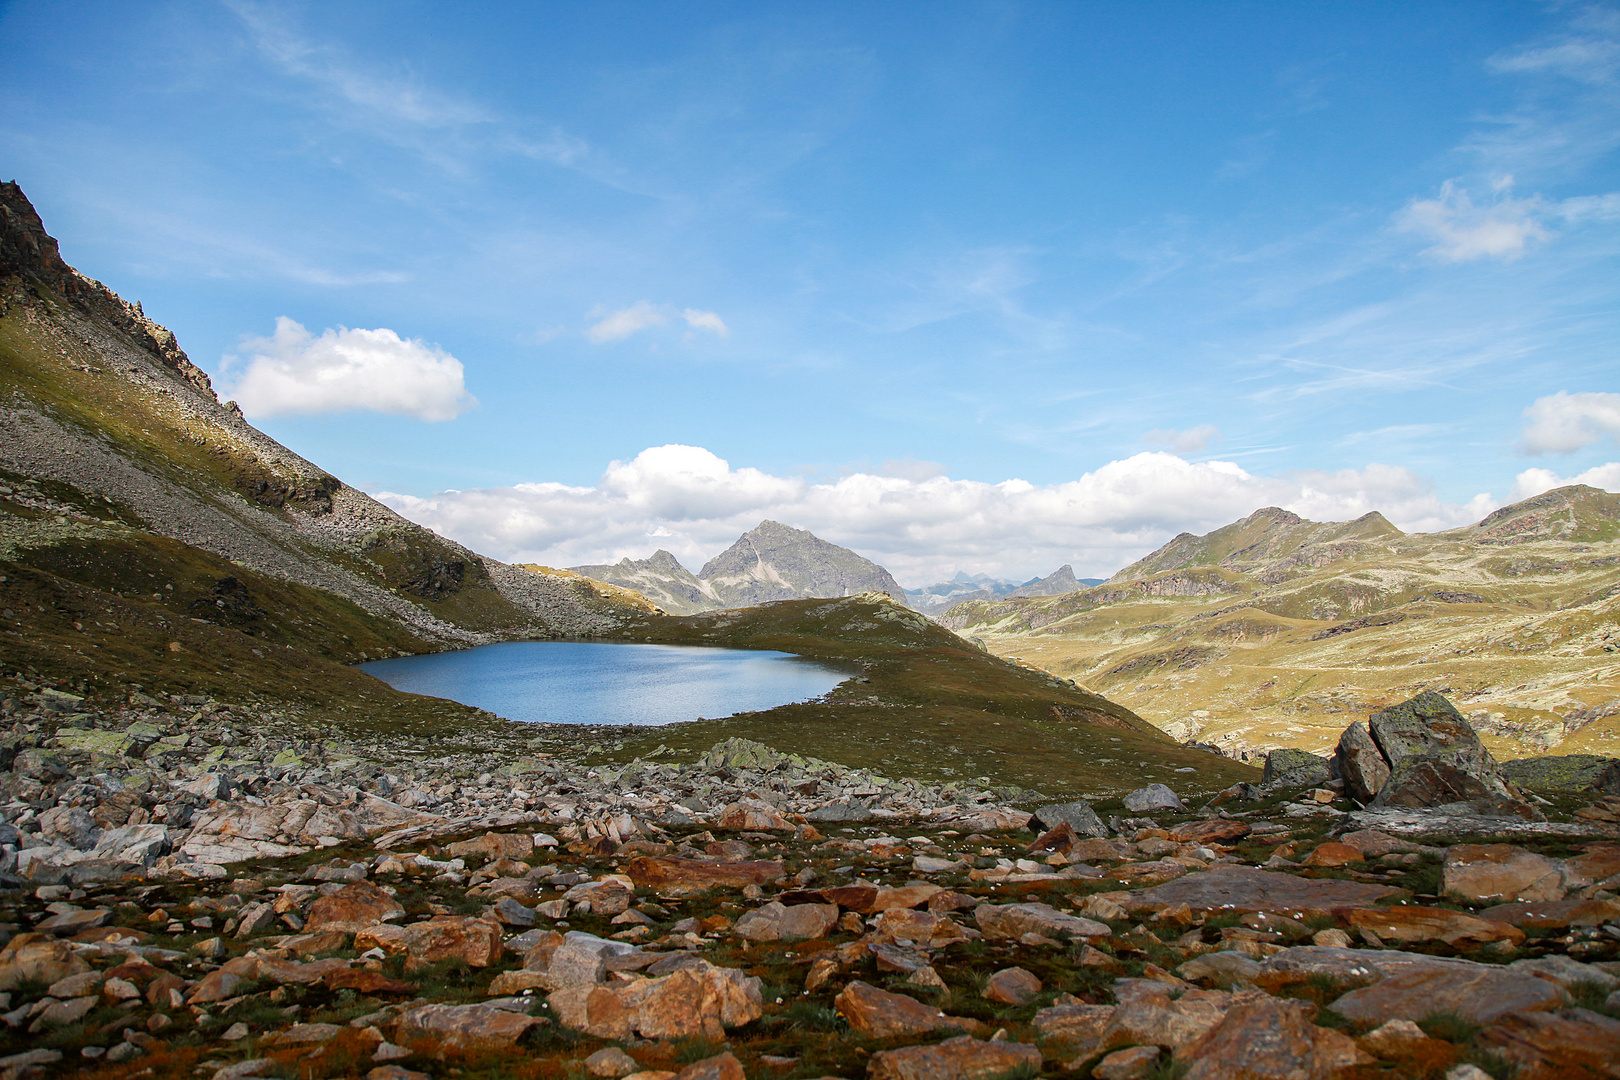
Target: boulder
[(1075, 1029), (230, 832), (753, 815), (453, 937), (69, 825), (1408, 924), (495, 846), (697, 1001), (33, 957), (354, 907), (1149, 1018), (779, 922), (874, 899), (1264, 1038), (1572, 975), (1478, 993), (1013, 921), (1134, 1063), (1214, 831), (462, 1027), (1434, 755), (840, 810), (1568, 774), (686, 877), (1571, 1044), (1221, 968), (1361, 764), (1151, 798), (1012, 986), (1498, 873), (961, 1058), (611, 1063), (1289, 767), (1078, 815), (1244, 889), (720, 1067), (1557, 915), (882, 1015)]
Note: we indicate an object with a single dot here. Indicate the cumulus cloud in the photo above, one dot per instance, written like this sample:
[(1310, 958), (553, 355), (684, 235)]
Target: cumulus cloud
[(1563, 423), (293, 373), (922, 527), (643, 315), (1535, 481), (1190, 441), (1463, 231)]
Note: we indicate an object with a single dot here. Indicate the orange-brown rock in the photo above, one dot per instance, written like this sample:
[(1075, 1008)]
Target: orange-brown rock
[(1265, 1038), (883, 1015), (780, 922), (438, 1028), (1500, 873), (1406, 924), (1153, 1019), (1479, 993), (871, 899), (390, 939), (685, 877), (1556, 914), (1242, 889), (366, 982), (352, 908), (1012, 986), (757, 817), (720, 1067), (454, 937), (495, 846), (1215, 831), (1333, 854), (962, 1058), (1598, 865), (37, 958), (1573, 1044), (699, 1001)]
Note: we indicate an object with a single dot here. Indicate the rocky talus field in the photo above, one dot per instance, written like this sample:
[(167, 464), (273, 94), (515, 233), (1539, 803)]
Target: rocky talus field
[(1274, 630), (225, 852)]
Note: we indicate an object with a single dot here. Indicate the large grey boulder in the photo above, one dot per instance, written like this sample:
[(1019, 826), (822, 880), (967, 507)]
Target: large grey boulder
[(1078, 815), (1428, 726), (1361, 763), (1152, 797), (1294, 768)]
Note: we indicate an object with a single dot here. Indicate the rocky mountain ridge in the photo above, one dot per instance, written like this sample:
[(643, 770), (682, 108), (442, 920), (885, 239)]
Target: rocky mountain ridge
[(769, 562), (1259, 634)]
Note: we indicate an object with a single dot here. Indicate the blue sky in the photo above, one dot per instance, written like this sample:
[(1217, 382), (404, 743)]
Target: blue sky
[(966, 286)]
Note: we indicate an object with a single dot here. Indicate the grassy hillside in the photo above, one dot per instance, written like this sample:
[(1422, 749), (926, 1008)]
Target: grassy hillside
[(1278, 632)]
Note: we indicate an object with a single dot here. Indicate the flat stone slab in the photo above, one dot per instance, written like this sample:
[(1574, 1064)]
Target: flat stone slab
[(1393, 985), (1247, 889), (1437, 825), (1555, 914)]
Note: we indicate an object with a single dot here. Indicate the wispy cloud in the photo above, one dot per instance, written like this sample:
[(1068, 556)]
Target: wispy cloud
[(1189, 441), (1463, 230), (644, 315)]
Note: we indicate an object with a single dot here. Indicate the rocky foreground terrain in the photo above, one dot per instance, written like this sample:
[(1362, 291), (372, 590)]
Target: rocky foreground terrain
[(190, 893)]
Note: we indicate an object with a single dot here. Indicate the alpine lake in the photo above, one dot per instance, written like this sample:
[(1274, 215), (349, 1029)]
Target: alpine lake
[(579, 682)]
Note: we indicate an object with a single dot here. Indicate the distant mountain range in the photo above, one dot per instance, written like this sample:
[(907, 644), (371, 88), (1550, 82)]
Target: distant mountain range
[(935, 599), (771, 561)]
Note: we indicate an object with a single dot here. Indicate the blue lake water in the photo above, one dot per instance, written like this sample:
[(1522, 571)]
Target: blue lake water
[(577, 682)]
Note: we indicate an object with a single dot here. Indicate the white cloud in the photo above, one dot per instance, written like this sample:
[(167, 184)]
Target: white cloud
[(294, 373), (922, 527), (643, 315), (706, 320), (621, 324), (1535, 481), (1190, 441), (1563, 423), (1462, 231)]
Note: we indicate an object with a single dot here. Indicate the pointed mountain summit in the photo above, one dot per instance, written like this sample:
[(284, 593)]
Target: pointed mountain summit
[(661, 579), (773, 561)]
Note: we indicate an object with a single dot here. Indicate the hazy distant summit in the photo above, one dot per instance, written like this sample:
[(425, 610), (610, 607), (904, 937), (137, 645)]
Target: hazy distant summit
[(771, 561)]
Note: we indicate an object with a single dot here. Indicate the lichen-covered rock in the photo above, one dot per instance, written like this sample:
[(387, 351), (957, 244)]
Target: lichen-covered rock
[(1500, 873), (1362, 765), (961, 1058), (1288, 767), (1153, 797), (1078, 815)]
